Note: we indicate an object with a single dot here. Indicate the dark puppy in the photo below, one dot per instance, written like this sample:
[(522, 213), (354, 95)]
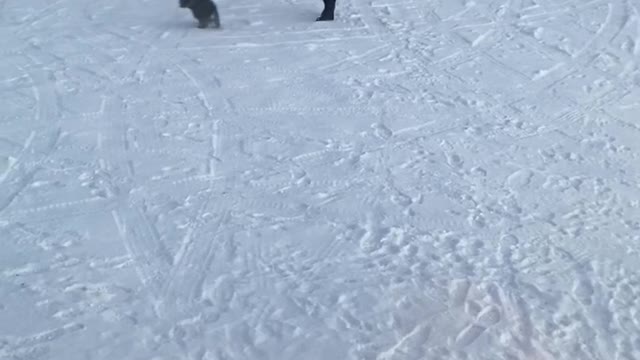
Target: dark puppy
[(205, 11), (329, 9)]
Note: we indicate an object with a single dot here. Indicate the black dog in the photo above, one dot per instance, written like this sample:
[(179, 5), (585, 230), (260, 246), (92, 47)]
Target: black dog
[(205, 11), (329, 9)]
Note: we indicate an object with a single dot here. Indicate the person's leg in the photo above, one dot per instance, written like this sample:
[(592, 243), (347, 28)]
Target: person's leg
[(328, 12)]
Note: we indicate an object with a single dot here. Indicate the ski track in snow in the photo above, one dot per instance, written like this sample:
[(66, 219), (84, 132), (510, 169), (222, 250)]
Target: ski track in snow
[(416, 180)]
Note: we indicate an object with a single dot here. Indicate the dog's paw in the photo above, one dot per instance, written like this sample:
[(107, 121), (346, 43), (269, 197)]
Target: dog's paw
[(325, 17)]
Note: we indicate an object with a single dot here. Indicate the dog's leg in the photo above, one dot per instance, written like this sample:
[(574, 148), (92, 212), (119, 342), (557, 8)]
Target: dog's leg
[(203, 23), (215, 18), (328, 12)]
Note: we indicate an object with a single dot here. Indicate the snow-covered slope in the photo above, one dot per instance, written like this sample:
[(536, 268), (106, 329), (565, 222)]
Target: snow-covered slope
[(416, 180)]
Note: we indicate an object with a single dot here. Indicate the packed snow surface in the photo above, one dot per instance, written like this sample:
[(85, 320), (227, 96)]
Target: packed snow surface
[(420, 179)]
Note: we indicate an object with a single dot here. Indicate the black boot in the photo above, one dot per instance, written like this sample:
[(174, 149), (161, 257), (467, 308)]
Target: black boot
[(328, 12)]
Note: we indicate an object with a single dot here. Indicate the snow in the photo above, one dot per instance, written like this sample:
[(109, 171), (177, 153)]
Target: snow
[(416, 180)]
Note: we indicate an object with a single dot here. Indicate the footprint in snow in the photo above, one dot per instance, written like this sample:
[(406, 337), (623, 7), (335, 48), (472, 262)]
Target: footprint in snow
[(6, 163), (381, 131)]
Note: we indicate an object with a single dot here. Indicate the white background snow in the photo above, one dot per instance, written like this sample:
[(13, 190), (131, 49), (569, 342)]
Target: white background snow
[(442, 179)]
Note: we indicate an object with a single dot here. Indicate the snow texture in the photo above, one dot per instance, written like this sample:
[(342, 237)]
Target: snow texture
[(417, 180)]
